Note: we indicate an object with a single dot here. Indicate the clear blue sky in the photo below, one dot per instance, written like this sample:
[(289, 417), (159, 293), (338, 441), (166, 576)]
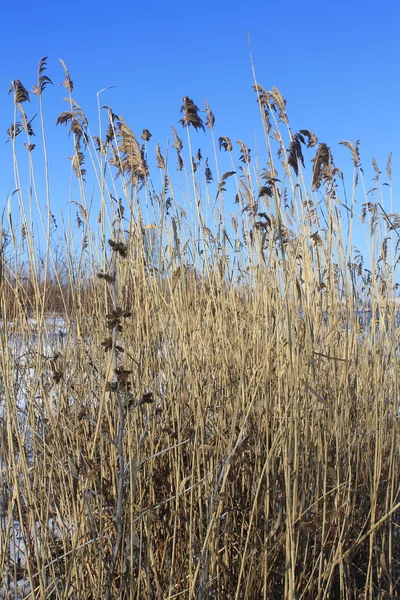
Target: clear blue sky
[(336, 63)]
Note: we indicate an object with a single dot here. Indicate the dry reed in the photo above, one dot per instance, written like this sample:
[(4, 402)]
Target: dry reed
[(193, 406)]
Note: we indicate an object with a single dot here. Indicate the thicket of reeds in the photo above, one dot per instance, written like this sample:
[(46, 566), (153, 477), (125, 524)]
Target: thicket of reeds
[(192, 405)]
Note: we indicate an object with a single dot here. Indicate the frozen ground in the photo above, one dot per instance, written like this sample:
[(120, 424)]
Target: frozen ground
[(13, 547)]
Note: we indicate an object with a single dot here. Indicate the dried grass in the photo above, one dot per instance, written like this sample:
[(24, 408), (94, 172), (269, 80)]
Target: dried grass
[(208, 416)]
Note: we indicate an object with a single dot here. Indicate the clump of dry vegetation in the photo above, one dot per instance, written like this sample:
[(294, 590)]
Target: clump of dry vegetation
[(192, 404)]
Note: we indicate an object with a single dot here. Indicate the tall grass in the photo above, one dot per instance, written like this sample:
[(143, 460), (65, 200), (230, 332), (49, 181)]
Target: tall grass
[(191, 404)]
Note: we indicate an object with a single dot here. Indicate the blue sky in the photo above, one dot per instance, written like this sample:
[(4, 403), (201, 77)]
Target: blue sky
[(336, 63)]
